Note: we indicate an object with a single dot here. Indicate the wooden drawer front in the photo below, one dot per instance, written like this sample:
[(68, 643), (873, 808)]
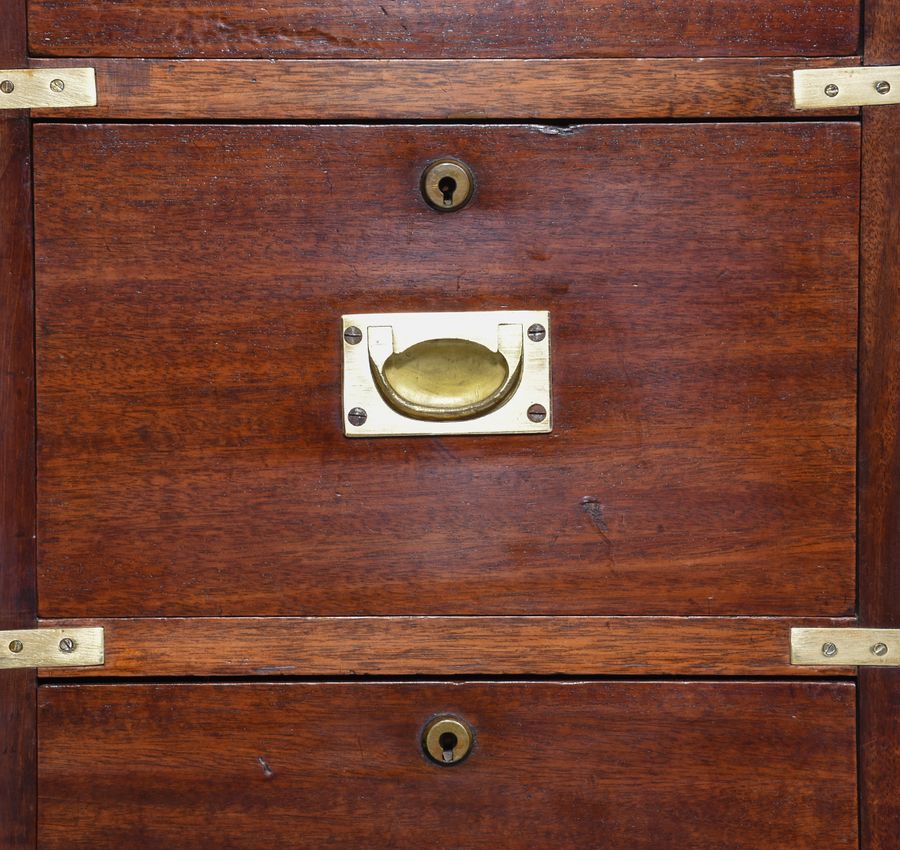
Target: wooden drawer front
[(468, 28), (644, 766), (702, 287)]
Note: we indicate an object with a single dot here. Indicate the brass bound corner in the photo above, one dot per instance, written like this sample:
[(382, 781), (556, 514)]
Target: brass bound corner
[(51, 648), (47, 88), (848, 647), (840, 88)]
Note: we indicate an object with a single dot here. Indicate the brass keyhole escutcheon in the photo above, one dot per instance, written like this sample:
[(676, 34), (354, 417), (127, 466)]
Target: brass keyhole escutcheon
[(447, 185), (447, 740)]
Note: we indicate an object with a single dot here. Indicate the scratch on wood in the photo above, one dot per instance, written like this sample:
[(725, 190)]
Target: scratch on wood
[(592, 507)]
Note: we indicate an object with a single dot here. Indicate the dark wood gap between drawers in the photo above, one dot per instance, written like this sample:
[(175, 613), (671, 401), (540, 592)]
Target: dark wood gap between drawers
[(48, 680), (564, 126)]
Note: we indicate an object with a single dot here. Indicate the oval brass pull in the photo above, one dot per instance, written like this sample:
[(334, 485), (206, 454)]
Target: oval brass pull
[(447, 740), (448, 378)]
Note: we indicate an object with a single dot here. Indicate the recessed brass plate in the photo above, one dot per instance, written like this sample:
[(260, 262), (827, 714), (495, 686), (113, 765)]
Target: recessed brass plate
[(839, 88), (847, 647), (47, 88), (409, 374), (51, 648)]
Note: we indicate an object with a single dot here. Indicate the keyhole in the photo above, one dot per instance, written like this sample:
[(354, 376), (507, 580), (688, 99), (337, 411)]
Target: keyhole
[(447, 187), (448, 742)]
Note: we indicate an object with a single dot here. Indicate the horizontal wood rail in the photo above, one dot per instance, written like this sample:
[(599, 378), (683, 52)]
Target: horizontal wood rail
[(448, 646), (448, 89)]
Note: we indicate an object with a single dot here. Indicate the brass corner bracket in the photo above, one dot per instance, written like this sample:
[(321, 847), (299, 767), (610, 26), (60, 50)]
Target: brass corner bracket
[(51, 648), (849, 647), (840, 88), (47, 88)]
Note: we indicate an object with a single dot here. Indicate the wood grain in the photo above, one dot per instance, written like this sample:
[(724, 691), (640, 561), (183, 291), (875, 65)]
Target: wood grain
[(879, 446), (702, 287), (356, 29), (223, 90), (448, 646), (642, 766), (882, 32), (879, 457), (18, 691)]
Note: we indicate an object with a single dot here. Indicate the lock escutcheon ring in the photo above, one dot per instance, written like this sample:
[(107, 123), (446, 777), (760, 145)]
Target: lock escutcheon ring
[(448, 185), (447, 740)]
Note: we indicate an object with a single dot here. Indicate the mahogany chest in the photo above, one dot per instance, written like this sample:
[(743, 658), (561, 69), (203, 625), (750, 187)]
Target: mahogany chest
[(450, 425)]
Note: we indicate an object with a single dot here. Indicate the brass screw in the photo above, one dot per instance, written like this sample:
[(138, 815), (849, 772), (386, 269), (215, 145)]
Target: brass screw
[(16, 646), (880, 649), (829, 650), (7, 86), (832, 90), (57, 85), (536, 333), (357, 416), (537, 413), (67, 645), (882, 87), (353, 336)]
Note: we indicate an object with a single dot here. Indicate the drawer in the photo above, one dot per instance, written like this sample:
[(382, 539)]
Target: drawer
[(702, 287), (642, 766), (431, 29)]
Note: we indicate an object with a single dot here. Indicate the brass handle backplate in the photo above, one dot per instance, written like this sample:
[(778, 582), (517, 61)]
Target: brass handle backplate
[(447, 373)]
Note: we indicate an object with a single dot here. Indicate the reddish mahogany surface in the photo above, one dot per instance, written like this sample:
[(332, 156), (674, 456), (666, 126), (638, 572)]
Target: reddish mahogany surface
[(17, 456), (879, 449), (636, 766), (359, 29), (448, 646), (442, 89), (702, 287)]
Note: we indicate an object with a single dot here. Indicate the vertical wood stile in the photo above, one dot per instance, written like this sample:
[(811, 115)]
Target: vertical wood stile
[(17, 494), (879, 438)]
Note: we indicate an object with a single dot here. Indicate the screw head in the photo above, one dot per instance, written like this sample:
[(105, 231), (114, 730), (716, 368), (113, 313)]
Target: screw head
[(16, 646), (7, 86), (353, 336), (537, 413), (67, 645), (536, 333), (832, 90), (57, 85), (882, 87), (357, 416), (829, 650), (880, 649)]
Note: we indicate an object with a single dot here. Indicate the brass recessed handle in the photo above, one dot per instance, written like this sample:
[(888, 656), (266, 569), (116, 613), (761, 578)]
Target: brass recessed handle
[(446, 379), (476, 372)]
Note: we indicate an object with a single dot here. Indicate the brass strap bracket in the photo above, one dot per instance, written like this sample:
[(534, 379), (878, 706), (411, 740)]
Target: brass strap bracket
[(47, 88), (840, 88), (51, 648), (847, 647)]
